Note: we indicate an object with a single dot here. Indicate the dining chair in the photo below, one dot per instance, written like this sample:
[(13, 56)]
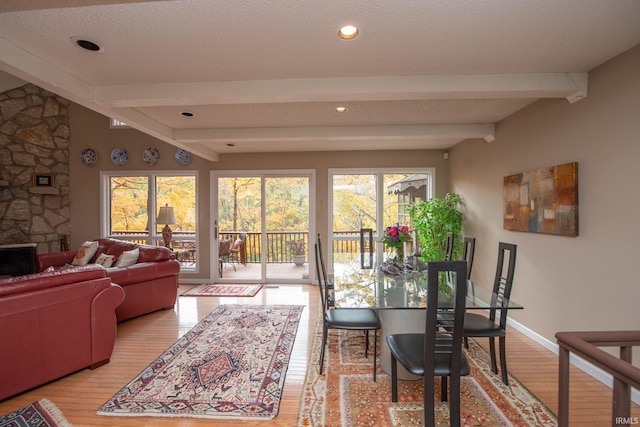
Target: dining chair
[(477, 325), (343, 318), (468, 253), (438, 351), (448, 248)]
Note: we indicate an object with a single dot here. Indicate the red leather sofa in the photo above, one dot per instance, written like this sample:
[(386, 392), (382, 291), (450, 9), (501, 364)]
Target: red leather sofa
[(55, 323), (149, 285)]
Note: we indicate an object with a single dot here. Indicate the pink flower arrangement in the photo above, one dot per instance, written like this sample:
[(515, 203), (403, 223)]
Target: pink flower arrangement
[(396, 235)]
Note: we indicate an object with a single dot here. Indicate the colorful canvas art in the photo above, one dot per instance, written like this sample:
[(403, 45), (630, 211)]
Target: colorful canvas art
[(543, 200)]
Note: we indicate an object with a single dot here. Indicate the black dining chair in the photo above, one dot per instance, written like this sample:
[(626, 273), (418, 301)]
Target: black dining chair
[(364, 319), (468, 253), (438, 351), (477, 325), (448, 248)]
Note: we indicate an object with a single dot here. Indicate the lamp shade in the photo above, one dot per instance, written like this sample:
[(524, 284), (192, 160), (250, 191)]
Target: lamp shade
[(166, 216)]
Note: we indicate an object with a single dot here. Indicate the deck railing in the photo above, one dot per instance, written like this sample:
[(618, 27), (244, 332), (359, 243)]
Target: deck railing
[(278, 248), (625, 375)]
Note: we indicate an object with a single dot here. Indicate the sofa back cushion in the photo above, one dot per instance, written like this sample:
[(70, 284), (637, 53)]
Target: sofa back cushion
[(50, 279), (148, 253)]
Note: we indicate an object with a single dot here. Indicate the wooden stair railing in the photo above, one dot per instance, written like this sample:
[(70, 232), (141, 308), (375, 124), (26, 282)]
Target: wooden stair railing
[(625, 375)]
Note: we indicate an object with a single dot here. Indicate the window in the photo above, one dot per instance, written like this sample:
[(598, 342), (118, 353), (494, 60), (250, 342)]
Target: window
[(117, 124), (132, 202)]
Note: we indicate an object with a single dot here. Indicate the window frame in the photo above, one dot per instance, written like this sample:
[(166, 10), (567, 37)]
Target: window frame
[(153, 235)]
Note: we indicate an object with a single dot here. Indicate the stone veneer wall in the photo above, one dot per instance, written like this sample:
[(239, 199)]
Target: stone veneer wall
[(34, 139)]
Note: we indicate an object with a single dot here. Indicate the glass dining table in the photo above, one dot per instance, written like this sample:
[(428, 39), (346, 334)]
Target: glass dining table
[(398, 291)]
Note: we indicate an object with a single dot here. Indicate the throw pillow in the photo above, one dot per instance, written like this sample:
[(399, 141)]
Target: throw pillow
[(86, 251), (105, 260), (128, 258)]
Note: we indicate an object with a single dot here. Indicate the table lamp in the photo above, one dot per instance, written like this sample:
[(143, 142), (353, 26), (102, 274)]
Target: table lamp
[(166, 216)]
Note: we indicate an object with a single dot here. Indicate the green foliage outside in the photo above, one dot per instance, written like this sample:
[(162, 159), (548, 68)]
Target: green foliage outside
[(433, 219)]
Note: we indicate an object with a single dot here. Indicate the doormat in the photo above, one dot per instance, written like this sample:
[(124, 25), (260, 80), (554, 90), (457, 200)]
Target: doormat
[(345, 395), (220, 290), (232, 364), (42, 413)]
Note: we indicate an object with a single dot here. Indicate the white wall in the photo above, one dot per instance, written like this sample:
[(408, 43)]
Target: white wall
[(589, 282)]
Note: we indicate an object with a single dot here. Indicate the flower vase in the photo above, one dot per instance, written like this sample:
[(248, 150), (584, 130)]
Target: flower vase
[(399, 252)]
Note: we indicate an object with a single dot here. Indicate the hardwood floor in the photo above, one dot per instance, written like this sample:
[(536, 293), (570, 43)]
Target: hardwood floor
[(141, 340)]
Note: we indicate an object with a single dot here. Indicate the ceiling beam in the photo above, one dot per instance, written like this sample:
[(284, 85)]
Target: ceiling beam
[(484, 86), (336, 133)]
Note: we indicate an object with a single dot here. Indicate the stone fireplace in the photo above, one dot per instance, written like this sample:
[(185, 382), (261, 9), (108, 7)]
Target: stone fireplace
[(34, 168)]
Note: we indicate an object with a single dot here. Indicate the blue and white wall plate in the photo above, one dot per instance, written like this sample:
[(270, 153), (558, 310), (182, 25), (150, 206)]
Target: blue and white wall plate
[(151, 156), (183, 157), (88, 157), (119, 156)]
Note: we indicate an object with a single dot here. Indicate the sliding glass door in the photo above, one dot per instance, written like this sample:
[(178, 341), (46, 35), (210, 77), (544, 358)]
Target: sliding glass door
[(262, 226)]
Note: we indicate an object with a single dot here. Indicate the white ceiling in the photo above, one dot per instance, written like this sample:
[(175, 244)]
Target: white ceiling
[(267, 75)]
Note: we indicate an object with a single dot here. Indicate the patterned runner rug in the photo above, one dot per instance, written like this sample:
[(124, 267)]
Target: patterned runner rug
[(42, 413), (219, 290), (345, 395), (230, 365)]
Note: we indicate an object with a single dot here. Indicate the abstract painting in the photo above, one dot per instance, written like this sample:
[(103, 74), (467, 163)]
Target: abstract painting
[(543, 200)]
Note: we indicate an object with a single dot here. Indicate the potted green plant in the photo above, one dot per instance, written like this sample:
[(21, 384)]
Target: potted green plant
[(298, 249), (433, 219)]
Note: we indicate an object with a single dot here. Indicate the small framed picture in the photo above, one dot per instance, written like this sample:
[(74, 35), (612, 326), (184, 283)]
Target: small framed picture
[(42, 180)]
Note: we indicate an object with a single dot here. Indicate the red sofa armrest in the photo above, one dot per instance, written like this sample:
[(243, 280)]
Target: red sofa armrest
[(104, 324)]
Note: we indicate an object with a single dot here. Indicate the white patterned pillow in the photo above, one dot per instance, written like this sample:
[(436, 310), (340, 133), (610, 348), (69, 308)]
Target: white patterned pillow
[(105, 260), (86, 251), (128, 258)]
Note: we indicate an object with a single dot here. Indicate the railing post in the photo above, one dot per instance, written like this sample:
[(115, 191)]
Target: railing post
[(621, 392), (563, 387)]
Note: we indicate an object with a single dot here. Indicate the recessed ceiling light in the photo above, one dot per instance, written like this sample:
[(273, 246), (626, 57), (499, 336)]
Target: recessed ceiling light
[(186, 113), (86, 44), (341, 109), (348, 32)]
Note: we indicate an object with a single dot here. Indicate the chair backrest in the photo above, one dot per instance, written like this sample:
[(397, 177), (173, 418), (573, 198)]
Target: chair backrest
[(440, 343), (237, 245), (327, 295), (448, 248), (503, 281), (321, 285), (224, 247), (468, 252)]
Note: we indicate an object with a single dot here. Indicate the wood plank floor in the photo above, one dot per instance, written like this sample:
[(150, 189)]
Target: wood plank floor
[(141, 340)]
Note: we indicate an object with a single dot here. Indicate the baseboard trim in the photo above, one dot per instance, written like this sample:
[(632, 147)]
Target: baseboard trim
[(585, 366)]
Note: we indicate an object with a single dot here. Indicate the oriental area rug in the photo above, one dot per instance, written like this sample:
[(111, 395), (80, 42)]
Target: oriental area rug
[(42, 413), (219, 290), (345, 395), (232, 364)]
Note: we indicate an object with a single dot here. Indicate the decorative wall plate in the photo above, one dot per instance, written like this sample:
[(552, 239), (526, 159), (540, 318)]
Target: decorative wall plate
[(183, 157), (88, 157), (151, 156), (119, 156)]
